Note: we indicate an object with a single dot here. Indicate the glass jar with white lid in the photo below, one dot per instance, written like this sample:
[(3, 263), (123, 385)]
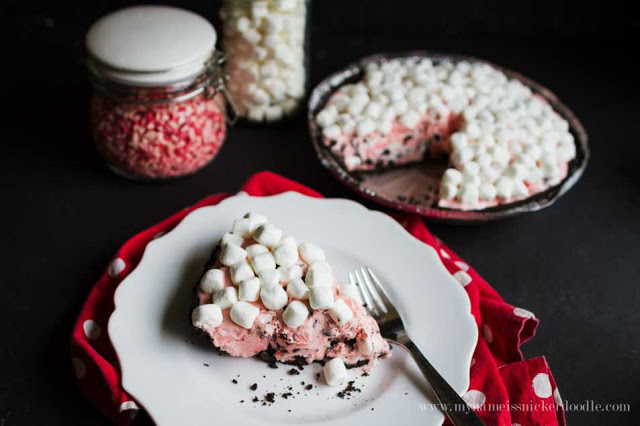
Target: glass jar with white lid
[(266, 45), (158, 108)]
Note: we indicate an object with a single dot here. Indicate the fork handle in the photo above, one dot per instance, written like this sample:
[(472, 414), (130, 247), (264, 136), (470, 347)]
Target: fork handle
[(455, 408)]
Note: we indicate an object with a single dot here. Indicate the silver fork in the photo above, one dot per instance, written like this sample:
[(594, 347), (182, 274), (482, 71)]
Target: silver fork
[(377, 303)]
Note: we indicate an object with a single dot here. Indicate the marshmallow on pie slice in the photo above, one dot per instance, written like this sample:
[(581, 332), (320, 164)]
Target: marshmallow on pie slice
[(273, 297), (212, 280), (335, 372), (244, 314), (295, 314), (209, 315)]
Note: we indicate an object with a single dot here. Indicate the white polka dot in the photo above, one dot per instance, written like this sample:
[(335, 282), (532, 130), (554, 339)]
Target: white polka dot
[(488, 334), (474, 398), (131, 407), (91, 329), (473, 361), (117, 266), (463, 278), (444, 254), (523, 313), (515, 424), (79, 367), (460, 264), (541, 385), (557, 398)]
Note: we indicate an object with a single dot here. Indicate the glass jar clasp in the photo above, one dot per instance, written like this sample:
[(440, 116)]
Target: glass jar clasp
[(216, 82)]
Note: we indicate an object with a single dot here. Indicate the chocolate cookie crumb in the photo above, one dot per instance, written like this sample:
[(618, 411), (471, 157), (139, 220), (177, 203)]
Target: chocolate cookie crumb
[(254, 386), (293, 372), (255, 399), (206, 365), (270, 397), (309, 386), (234, 381), (349, 390), (273, 365), (241, 401), (286, 395)]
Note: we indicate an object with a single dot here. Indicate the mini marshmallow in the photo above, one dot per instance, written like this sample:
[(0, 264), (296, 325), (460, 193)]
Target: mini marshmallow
[(295, 314), (326, 118), (244, 314), (335, 372), (256, 249), (256, 218), (349, 290), (298, 289), (448, 190), (505, 187), (490, 173), (340, 312), (469, 193), (366, 126), (318, 277), (267, 234), (249, 290), (230, 238), (452, 176), (288, 239), (520, 189), (459, 140), (410, 119), (535, 176), (321, 297), (226, 297), (331, 131), (206, 316), (310, 253), (373, 110), (462, 156), (488, 191), (241, 271), (273, 296), (232, 254), (263, 261), (517, 171), (243, 227), (471, 168), (285, 254), (289, 273), (269, 276), (212, 280), (385, 127)]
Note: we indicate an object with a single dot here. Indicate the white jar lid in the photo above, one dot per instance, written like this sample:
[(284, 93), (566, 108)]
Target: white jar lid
[(150, 45)]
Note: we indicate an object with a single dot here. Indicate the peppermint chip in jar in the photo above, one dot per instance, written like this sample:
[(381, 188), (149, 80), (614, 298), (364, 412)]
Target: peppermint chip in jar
[(265, 45), (158, 109)]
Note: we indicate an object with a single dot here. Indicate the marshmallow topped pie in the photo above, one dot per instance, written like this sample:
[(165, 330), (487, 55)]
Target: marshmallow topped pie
[(263, 293), (503, 142)]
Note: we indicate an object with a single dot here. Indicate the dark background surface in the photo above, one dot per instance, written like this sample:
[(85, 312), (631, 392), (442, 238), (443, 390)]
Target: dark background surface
[(576, 264)]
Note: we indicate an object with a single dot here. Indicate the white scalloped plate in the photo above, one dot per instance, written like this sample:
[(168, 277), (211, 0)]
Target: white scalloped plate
[(163, 363)]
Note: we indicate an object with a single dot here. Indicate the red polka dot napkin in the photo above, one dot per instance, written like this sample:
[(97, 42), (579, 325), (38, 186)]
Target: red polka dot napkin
[(505, 388)]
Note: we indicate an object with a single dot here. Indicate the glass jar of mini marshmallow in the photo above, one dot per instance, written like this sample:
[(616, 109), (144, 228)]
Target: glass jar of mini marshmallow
[(265, 42), (158, 109)]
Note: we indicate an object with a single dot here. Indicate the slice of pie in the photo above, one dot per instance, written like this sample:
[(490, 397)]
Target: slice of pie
[(263, 294)]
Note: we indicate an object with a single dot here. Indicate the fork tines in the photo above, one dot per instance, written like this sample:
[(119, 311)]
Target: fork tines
[(374, 296)]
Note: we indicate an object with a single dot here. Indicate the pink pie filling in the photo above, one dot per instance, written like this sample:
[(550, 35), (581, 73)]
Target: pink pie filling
[(430, 138), (319, 337)]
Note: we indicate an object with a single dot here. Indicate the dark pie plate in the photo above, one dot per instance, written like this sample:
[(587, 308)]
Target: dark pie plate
[(413, 188)]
